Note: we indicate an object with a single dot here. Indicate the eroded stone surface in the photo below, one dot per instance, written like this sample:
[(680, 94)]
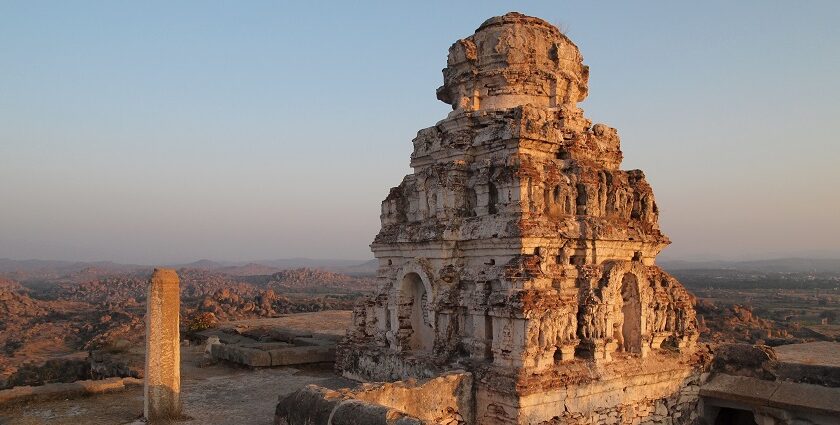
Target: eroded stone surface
[(162, 378), (788, 384), (446, 400), (812, 363), (519, 250)]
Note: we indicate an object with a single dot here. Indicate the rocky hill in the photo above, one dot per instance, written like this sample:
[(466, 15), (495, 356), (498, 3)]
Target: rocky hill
[(16, 303), (306, 278), (50, 323), (739, 324)]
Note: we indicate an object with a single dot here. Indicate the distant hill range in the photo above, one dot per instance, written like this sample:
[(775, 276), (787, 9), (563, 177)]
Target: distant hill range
[(265, 267), (779, 265), (19, 268), (52, 268), (368, 268)]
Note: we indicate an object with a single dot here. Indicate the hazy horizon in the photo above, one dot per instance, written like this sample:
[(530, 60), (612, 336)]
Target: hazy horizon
[(164, 133), (297, 261)]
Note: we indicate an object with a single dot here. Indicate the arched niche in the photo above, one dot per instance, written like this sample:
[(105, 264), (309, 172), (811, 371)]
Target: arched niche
[(626, 289), (631, 314), (415, 312), (412, 289)]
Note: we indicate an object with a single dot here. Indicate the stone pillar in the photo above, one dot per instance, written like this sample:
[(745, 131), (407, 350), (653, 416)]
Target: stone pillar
[(162, 383)]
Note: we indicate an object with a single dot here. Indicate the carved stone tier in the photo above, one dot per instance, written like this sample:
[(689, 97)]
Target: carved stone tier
[(517, 242)]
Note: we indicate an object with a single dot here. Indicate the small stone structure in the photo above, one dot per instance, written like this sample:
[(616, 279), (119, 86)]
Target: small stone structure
[(785, 385), (520, 251), (162, 378), (282, 341), (283, 351)]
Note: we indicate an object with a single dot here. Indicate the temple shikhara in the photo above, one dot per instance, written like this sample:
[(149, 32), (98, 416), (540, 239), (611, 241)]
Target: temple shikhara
[(520, 253), (518, 247)]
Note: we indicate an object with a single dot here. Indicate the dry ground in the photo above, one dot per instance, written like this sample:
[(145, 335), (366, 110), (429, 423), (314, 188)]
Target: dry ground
[(218, 394)]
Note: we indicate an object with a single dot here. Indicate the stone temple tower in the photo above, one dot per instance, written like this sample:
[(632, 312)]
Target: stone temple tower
[(518, 249)]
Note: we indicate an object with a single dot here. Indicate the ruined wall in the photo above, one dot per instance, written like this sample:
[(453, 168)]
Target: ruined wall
[(649, 390), (446, 400)]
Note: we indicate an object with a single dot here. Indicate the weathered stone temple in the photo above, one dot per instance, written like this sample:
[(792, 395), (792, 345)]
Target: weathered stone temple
[(519, 251)]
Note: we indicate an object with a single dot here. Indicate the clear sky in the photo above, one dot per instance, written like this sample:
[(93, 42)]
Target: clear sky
[(172, 131)]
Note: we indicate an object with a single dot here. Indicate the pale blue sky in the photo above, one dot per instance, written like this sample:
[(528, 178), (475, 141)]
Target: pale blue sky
[(172, 131)]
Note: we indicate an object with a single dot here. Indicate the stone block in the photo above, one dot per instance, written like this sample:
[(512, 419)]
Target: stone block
[(253, 357), (356, 412), (308, 406), (814, 398), (301, 355), (287, 335), (738, 388), (314, 341), (241, 355), (65, 390)]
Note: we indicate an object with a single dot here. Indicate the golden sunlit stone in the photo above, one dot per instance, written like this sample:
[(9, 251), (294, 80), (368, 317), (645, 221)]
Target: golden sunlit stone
[(162, 386), (520, 252)]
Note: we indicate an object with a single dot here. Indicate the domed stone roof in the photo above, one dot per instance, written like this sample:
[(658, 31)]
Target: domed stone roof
[(514, 60)]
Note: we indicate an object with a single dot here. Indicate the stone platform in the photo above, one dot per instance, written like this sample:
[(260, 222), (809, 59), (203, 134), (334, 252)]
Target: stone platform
[(290, 340), (789, 384), (821, 353)]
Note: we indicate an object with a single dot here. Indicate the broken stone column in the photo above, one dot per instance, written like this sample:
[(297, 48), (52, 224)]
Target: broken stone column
[(162, 383)]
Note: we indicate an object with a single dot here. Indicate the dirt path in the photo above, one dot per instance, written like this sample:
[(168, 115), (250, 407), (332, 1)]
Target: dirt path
[(218, 394)]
